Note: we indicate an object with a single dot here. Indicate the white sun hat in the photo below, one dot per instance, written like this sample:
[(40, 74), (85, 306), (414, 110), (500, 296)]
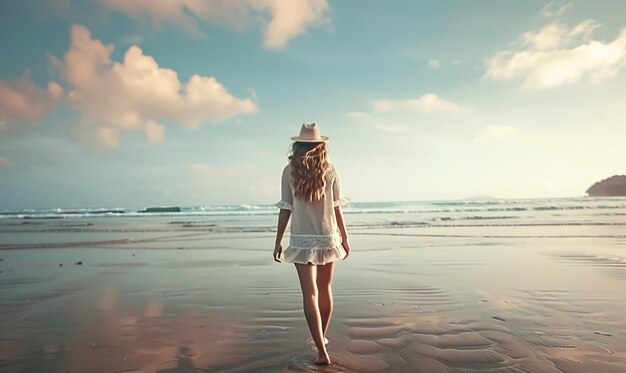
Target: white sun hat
[(310, 133)]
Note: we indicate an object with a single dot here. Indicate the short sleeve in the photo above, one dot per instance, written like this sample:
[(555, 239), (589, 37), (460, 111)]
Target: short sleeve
[(286, 200), (338, 200)]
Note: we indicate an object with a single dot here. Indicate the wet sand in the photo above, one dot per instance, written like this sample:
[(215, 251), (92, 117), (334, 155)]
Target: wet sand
[(465, 299)]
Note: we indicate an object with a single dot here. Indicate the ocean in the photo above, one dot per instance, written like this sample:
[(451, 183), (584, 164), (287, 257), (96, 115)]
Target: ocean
[(540, 211), (34, 228)]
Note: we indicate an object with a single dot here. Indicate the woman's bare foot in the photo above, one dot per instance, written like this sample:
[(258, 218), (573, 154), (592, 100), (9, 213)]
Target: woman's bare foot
[(323, 359)]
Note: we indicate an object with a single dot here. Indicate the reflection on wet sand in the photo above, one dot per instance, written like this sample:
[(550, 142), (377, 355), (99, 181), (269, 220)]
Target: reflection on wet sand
[(403, 303)]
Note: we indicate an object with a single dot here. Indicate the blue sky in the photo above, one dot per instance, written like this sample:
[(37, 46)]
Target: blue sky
[(192, 102)]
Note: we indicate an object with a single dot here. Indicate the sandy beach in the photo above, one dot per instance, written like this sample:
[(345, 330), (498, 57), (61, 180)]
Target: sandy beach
[(161, 296)]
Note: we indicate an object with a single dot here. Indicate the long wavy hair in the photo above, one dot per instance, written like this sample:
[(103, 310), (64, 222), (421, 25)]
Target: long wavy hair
[(309, 170)]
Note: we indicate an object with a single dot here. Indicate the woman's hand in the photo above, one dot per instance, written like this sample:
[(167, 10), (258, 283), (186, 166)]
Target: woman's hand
[(346, 247), (278, 249)]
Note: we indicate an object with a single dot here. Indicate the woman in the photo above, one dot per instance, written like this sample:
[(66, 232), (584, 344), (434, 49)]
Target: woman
[(311, 196)]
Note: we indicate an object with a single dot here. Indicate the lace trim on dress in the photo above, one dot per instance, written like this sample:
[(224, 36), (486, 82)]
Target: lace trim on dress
[(317, 250), (283, 205), (309, 241)]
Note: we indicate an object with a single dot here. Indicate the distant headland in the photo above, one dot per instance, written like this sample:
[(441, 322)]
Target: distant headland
[(610, 187)]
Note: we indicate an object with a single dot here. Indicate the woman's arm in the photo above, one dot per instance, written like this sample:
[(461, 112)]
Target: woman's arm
[(342, 230), (283, 218)]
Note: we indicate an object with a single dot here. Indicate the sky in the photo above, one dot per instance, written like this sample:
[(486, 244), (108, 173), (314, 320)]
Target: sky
[(115, 103)]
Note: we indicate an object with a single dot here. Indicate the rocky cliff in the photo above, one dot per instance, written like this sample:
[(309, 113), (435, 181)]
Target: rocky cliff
[(610, 187)]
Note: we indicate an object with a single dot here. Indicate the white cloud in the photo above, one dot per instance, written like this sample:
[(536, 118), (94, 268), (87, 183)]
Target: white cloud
[(23, 101), (287, 19), (371, 121), (391, 128), (553, 9), (132, 39), (548, 37), (434, 63), (136, 94), (6, 163), (383, 118), (359, 115), (377, 123), (555, 56), (155, 133), (201, 169), (427, 103), (497, 133)]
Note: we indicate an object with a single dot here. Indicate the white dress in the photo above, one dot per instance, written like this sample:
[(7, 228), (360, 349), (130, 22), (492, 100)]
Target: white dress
[(315, 237)]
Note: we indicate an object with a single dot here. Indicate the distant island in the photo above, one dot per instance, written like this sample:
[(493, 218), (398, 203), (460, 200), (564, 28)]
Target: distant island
[(610, 187)]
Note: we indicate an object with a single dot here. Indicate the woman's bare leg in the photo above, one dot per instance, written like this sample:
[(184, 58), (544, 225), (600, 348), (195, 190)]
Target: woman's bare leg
[(307, 275), (325, 293)]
